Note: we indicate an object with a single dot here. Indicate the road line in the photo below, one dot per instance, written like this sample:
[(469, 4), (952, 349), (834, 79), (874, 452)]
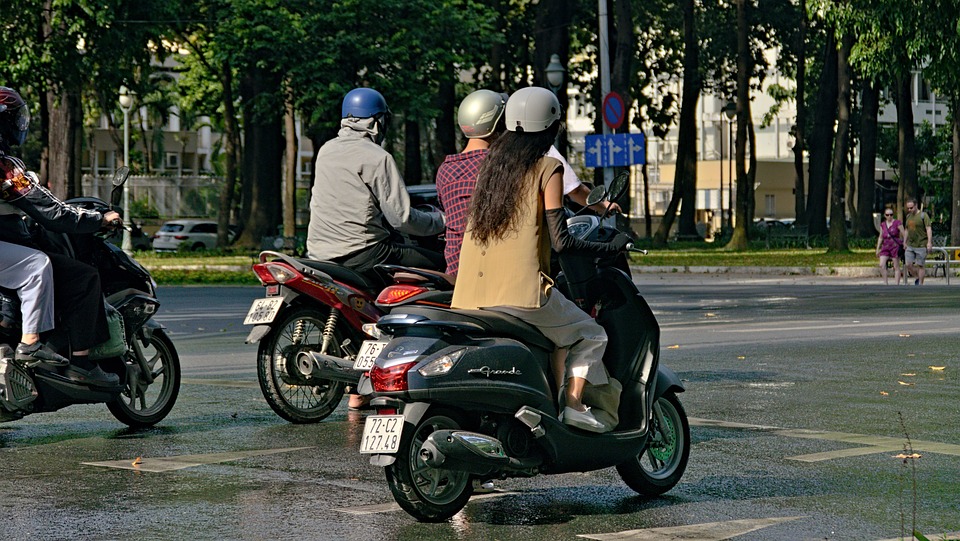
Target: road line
[(870, 444), (173, 463), (220, 382), (753, 329), (710, 531), (392, 506)]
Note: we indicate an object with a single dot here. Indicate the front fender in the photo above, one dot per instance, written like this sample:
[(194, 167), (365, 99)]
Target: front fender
[(668, 381)]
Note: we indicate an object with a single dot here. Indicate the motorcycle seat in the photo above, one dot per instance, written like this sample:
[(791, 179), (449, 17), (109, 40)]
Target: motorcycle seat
[(344, 274), (496, 323)]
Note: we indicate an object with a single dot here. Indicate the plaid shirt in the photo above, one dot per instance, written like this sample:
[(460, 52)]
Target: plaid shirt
[(456, 179)]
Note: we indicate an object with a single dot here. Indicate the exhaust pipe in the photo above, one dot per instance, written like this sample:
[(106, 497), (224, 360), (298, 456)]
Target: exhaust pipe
[(460, 450), (315, 365)]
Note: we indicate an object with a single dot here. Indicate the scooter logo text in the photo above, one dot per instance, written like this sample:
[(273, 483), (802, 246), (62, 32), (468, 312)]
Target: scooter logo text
[(487, 371)]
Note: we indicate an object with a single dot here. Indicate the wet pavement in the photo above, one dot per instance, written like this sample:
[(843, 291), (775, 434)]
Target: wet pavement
[(801, 391)]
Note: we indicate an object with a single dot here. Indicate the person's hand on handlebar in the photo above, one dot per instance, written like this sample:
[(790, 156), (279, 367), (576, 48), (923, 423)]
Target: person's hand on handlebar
[(112, 219), (621, 241)]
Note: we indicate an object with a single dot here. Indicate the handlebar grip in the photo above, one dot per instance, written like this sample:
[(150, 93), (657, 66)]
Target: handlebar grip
[(631, 248)]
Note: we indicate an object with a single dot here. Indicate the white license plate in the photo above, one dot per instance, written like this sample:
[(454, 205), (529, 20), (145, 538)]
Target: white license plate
[(369, 352), (381, 434), (263, 311)]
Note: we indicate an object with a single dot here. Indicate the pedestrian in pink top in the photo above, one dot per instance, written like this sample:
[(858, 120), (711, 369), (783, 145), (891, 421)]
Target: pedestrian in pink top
[(889, 245)]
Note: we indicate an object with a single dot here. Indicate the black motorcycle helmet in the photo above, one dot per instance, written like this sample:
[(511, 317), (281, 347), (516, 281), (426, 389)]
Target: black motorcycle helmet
[(14, 119)]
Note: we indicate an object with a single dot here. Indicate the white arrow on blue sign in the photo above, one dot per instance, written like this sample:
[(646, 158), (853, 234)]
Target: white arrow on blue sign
[(615, 150)]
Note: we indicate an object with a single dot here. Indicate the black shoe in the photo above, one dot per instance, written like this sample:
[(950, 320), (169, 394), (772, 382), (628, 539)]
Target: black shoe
[(39, 353), (94, 376)]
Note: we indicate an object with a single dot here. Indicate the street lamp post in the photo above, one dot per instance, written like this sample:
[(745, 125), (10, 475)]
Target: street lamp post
[(126, 103), (729, 110)]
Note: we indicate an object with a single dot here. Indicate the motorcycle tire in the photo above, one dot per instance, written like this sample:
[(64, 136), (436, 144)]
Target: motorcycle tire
[(298, 330), (141, 404), (659, 467), (428, 494)]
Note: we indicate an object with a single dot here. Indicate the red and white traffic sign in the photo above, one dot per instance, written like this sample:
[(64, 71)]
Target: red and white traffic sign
[(614, 110)]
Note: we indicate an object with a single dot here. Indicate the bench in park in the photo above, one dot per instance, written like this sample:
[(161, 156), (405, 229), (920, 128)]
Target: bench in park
[(943, 258)]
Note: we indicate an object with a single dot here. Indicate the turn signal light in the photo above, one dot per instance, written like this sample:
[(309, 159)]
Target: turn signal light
[(391, 379), (398, 293), (274, 273)]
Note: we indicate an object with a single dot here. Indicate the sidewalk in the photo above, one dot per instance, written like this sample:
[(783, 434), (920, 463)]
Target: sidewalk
[(795, 275)]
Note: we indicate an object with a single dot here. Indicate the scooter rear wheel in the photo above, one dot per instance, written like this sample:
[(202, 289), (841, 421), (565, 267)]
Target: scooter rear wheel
[(428, 494), (659, 467), (286, 392)]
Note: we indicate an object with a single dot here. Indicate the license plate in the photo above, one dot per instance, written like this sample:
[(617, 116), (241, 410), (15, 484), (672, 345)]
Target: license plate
[(263, 311), (381, 434), (369, 352)]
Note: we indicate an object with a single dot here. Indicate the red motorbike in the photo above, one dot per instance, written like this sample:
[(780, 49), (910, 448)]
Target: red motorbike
[(310, 327)]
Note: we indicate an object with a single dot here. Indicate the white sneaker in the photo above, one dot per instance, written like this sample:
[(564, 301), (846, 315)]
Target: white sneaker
[(584, 420)]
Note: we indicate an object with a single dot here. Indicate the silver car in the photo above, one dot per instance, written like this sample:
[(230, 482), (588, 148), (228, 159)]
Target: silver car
[(186, 235)]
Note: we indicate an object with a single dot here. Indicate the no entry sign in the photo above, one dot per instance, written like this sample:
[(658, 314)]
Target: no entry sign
[(614, 110)]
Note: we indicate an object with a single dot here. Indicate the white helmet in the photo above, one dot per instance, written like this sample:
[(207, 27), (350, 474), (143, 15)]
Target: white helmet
[(479, 113), (532, 109)]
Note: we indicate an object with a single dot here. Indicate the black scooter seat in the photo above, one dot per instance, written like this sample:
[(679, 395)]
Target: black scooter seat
[(496, 323), (344, 274)]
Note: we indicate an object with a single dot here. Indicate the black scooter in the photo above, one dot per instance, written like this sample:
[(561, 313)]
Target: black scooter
[(139, 350), (464, 396)]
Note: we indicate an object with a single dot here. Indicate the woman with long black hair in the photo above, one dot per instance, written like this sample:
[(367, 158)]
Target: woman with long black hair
[(515, 215)]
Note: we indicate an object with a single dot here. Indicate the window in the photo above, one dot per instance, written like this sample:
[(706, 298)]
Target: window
[(205, 228), (172, 161), (770, 204)]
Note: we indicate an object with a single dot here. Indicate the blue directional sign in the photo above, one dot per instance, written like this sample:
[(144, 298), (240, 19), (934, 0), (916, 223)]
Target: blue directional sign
[(615, 150)]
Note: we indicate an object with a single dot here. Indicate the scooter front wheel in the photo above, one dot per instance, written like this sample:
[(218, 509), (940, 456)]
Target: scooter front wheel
[(286, 391), (659, 467), (428, 494)]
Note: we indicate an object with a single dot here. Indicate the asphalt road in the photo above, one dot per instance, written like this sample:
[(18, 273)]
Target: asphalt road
[(801, 392)]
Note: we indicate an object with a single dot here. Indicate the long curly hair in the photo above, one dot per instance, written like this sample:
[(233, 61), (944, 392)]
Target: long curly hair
[(502, 181)]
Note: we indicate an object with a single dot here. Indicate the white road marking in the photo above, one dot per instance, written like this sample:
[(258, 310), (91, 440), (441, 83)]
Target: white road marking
[(870, 444), (173, 463), (220, 382), (710, 531)]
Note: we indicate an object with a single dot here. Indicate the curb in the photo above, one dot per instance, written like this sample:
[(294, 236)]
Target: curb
[(840, 272)]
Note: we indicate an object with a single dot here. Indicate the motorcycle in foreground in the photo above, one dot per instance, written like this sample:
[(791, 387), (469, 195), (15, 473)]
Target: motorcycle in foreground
[(318, 309), (465, 396), (139, 351)]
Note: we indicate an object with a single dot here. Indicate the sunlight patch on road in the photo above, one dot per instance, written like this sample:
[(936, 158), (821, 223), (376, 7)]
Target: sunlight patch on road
[(710, 531), (173, 463), (220, 382), (392, 506)]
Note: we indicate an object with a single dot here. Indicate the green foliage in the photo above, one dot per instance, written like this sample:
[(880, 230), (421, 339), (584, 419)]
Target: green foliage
[(143, 209)]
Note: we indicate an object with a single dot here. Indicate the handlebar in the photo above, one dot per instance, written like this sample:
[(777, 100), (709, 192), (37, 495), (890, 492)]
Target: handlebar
[(631, 248)]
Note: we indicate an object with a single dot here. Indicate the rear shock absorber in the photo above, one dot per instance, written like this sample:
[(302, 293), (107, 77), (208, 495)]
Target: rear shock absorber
[(298, 335), (328, 330)]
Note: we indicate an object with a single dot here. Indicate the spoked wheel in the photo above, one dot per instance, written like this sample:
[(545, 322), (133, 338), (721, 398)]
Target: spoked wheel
[(143, 404), (288, 392), (661, 464), (429, 494)]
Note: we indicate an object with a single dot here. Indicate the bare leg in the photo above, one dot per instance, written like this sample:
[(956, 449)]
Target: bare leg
[(921, 272), (29, 338), (574, 392), (883, 269), (896, 269)]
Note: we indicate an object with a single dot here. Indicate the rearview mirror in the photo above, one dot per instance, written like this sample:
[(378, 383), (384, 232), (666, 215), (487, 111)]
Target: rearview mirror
[(596, 195), (119, 178), (619, 185)]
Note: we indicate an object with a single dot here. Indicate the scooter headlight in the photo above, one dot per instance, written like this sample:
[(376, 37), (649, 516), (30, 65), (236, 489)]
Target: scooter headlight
[(441, 365)]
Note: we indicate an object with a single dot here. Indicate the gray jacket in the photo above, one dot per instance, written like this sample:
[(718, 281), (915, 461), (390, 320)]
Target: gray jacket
[(359, 191)]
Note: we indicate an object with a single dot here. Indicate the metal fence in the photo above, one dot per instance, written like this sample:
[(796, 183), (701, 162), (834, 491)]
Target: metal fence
[(168, 197)]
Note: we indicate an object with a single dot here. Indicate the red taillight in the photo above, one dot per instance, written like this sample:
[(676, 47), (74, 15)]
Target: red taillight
[(398, 293), (390, 379), (181, 237), (275, 273), (386, 411)]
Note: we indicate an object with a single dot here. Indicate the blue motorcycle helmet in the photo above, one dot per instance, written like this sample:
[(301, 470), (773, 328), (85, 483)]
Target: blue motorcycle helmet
[(367, 103), (364, 103)]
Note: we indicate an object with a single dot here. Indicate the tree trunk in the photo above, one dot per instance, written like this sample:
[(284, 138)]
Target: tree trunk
[(800, 129), (291, 168), (231, 150), (65, 129), (838, 211), (446, 122), (412, 166), (907, 139), (821, 140), (745, 202), (955, 218), (687, 137), (866, 202), (263, 133)]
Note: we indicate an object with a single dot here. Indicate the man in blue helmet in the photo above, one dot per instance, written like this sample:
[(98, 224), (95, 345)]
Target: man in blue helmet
[(359, 202)]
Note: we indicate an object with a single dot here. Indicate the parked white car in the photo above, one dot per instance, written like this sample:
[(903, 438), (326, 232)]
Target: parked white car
[(186, 235)]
